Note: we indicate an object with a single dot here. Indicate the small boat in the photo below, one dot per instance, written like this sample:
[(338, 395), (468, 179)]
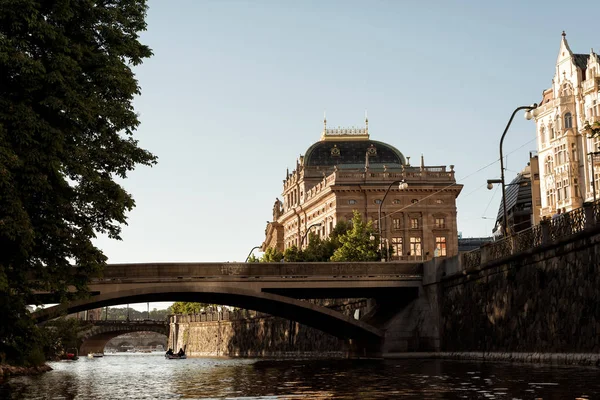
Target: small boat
[(95, 355), (71, 354), (175, 357)]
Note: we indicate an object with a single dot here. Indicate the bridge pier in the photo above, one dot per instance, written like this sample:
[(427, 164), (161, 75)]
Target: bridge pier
[(409, 320)]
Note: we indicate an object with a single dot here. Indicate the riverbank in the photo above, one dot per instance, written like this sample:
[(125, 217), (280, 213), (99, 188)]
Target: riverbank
[(11, 370), (579, 359)]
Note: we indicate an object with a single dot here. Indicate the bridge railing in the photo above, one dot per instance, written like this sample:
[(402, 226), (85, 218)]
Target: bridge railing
[(127, 322), (234, 271), (224, 315), (559, 227)]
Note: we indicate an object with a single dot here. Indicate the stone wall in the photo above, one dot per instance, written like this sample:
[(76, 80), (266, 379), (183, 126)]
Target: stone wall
[(541, 301), (249, 333)]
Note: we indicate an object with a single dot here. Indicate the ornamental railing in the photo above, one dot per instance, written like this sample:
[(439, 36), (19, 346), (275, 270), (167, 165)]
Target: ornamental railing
[(472, 259), (560, 226)]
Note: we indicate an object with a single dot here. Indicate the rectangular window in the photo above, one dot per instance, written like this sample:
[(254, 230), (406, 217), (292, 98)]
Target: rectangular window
[(550, 201), (558, 191), (414, 223), (397, 246), (440, 246), (596, 143), (440, 223), (566, 189), (560, 154), (415, 246), (396, 223)]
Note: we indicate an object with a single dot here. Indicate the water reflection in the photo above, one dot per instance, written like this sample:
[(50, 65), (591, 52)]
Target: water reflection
[(150, 376)]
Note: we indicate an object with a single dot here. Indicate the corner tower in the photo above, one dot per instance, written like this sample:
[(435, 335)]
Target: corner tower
[(565, 170)]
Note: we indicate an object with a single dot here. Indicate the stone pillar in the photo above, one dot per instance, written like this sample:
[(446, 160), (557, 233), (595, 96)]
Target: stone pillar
[(546, 236), (588, 209)]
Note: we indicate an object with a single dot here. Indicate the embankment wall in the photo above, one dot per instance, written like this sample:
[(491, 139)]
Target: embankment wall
[(542, 301), (249, 333)]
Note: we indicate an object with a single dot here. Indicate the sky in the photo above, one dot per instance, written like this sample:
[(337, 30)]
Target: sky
[(236, 91)]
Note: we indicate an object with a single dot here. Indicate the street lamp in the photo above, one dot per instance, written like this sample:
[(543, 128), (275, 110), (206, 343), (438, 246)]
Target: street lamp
[(529, 113), (592, 155), (306, 233), (402, 185), (251, 251)]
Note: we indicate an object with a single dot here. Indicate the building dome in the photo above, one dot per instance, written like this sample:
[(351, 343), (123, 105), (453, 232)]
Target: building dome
[(352, 153)]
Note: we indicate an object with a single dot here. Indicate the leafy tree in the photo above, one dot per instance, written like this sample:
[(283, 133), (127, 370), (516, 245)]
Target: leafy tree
[(59, 335), (593, 129), (293, 254), (122, 314), (183, 307), (253, 259), (272, 255), (66, 133), (356, 243), (318, 250)]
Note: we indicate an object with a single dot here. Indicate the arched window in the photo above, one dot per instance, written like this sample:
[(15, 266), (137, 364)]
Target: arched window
[(551, 128), (568, 120), (542, 135)]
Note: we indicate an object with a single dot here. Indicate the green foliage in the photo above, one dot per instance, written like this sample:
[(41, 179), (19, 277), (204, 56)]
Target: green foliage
[(183, 307), (59, 335), (356, 243), (253, 259), (272, 255), (319, 250), (592, 130), (347, 242), (122, 314), (19, 336), (66, 132), (293, 254)]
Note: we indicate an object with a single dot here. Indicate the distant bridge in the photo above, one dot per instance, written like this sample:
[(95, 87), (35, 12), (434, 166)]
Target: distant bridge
[(95, 338), (273, 288)]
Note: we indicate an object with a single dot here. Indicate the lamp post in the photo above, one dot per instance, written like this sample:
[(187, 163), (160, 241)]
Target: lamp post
[(528, 116), (251, 251), (592, 155), (401, 186), (306, 233)]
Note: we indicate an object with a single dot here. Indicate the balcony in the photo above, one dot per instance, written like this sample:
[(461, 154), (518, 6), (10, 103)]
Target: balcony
[(549, 106), (590, 85), (592, 119)]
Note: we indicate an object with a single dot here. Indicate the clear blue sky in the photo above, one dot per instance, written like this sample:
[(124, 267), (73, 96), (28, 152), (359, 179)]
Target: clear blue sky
[(236, 91)]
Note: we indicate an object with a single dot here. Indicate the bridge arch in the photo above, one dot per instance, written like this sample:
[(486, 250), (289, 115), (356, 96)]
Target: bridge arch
[(318, 317), (94, 339)]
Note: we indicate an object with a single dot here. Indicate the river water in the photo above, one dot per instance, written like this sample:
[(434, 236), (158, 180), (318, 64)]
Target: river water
[(150, 376)]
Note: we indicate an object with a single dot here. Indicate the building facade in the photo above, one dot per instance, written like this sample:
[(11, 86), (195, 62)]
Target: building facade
[(568, 176), (347, 171), (521, 195)]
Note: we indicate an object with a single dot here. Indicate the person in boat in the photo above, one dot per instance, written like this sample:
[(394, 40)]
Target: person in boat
[(170, 352), (180, 352)]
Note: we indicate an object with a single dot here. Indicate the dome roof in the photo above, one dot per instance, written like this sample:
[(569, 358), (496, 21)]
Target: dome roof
[(352, 153)]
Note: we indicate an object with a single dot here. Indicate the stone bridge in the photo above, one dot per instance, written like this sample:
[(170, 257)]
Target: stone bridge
[(272, 288), (95, 338)]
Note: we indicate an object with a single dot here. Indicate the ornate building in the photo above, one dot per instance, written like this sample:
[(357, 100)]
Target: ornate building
[(565, 170), (347, 171)]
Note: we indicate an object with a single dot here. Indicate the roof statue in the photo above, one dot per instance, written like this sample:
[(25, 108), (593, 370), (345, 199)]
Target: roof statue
[(277, 209)]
